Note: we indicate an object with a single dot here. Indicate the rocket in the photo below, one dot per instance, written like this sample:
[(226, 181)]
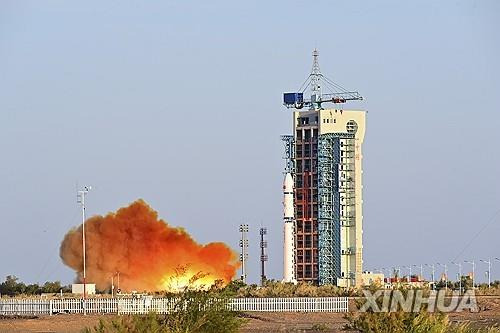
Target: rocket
[(289, 241)]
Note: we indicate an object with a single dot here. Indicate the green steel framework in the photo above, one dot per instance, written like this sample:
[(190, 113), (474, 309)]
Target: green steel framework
[(289, 156), (347, 190), (330, 221)]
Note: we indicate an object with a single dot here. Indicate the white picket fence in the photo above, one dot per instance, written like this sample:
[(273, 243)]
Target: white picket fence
[(165, 305), (292, 304), (295, 304)]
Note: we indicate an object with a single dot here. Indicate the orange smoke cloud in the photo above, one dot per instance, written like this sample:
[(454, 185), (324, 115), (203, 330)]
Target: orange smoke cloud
[(145, 250)]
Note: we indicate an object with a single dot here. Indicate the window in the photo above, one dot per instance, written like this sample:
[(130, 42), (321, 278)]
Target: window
[(308, 257), (307, 165), (307, 134), (300, 258), (300, 242), (308, 242), (351, 127), (308, 271), (307, 152), (299, 182)]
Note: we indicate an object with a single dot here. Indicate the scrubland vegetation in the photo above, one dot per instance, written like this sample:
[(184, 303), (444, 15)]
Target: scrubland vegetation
[(204, 311)]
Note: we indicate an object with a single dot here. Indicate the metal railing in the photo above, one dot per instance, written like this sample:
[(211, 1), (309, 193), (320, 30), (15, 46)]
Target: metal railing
[(165, 305)]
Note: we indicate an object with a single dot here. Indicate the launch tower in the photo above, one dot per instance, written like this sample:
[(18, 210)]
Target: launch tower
[(324, 158)]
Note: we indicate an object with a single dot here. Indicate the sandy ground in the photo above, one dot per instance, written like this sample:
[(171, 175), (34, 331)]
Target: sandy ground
[(258, 322)]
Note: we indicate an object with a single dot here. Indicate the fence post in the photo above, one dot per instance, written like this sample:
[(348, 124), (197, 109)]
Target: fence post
[(50, 307)]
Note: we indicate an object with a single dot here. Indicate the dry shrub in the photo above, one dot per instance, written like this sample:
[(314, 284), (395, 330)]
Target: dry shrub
[(194, 312), (301, 289), (400, 321)]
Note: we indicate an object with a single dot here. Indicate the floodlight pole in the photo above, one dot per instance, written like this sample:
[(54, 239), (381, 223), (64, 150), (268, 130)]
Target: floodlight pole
[(445, 275), (489, 271), (459, 276), (433, 276), (473, 271), (421, 269), (383, 272), (397, 272), (81, 200), (409, 276)]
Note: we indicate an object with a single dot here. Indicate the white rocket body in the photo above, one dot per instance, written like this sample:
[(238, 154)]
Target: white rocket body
[(289, 241)]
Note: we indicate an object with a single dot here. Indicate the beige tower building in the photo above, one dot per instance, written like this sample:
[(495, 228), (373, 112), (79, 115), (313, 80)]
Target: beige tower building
[(324, 155)]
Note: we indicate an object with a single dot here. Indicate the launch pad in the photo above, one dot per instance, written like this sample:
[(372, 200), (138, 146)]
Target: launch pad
[(323, 186)]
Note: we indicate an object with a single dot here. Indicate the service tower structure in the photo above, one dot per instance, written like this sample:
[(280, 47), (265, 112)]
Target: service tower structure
[(324, 158)]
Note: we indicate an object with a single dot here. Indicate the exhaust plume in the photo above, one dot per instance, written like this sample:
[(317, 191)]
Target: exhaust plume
[(149, 254)]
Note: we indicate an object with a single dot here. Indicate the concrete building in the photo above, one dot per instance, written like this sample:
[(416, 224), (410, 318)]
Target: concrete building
[(324, 155)]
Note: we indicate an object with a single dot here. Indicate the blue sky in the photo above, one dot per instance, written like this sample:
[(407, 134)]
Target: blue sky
[(179, 103)]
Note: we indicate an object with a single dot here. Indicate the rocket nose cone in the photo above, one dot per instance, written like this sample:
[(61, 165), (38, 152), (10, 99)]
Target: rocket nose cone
[(288, 182)]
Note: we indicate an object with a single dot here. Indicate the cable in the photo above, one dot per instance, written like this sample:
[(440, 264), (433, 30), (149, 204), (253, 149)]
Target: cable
[(477, 234), (50, 256), (308, 81)]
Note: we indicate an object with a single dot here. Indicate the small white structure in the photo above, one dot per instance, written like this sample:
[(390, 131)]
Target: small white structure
[(77, 288), (370, 278)]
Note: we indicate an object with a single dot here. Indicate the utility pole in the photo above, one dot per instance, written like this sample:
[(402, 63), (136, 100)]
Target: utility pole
[(459, 276), (489, 271), (263, 255), (81, 200), (244, 251)]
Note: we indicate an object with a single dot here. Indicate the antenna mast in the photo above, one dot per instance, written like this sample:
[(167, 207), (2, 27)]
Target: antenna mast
[(315, 82), (244, 251), (263, 255)]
